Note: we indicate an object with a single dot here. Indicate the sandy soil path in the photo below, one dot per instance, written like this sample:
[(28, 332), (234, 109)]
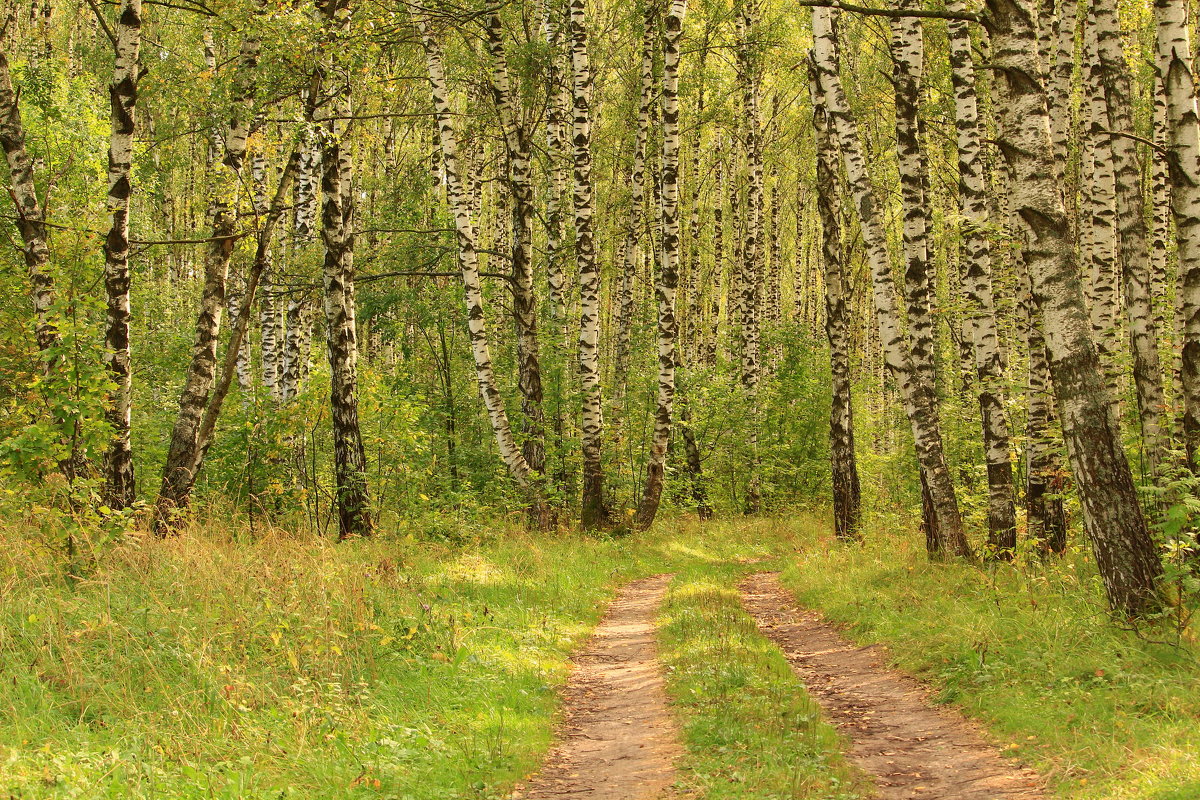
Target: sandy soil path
[(618, 739), (912, 749)]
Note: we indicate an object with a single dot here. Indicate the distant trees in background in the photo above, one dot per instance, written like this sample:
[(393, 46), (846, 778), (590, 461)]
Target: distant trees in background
[(718, 258)]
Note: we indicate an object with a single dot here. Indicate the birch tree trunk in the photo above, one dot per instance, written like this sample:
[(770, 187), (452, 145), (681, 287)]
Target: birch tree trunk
[(637, 205), (668, 275), (1100, 229), (847, 494), (196, 425), (751, 243), (337, 235), (918, 405), (908, 64), (1131, 222), (594, 512), (183, 458), (520, 180), (460, 206), (1125, 554), (119, 486), (1175, 70), (556, 149), (31, 219), (980, 325)]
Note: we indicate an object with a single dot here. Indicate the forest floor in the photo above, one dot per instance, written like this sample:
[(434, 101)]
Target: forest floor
[(430, 663)]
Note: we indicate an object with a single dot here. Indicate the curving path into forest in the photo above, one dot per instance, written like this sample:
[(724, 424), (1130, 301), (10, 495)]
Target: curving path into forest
[(619, 740)]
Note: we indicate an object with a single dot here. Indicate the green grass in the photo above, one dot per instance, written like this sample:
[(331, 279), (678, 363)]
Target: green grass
[(289, 666), (1106, 713), (750, 729), (212, 666)]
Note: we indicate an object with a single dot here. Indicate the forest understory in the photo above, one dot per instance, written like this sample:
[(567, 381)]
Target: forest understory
[(213, 666)]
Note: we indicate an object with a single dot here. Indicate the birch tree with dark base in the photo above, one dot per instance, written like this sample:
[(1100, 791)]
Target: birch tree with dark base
[(119, 487), (1125, 554), (668, 277), (919, 406), (847, 493)]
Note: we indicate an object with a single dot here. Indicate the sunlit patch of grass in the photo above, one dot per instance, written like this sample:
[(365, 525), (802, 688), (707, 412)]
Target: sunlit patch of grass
[(1105, 712), (222, 665), (751, 730)]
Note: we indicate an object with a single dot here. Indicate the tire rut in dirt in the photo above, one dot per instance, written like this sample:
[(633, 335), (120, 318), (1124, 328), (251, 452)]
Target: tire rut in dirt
[(912, 750), (618, 740)]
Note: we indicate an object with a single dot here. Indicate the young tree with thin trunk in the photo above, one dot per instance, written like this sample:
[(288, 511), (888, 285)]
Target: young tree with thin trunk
[(31, 220), (637, 206), (119, 488), (1125, 553), (460, 206), (918, 405)]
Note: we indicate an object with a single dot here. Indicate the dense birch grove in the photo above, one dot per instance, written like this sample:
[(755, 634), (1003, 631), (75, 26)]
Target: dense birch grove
[(582, 262)]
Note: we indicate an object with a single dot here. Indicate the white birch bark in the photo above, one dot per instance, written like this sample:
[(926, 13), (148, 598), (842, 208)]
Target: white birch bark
[(668, 275), (1125, 554), (847, 492), (1131, 221), (594, 511), (30, 218), (980, 327), (1100, 231), (460, 207), (751, 244), (637, 205), (520, 185), (921, 411), (1176, 71), (118, 470)]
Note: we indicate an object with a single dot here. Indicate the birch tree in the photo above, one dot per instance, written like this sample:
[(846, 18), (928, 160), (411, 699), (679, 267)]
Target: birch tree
[(119, 488), (989, 366), (847, 493), (1176, 71), (520, 184), (337, 269), (668, 276), (918, 405), (1131, 221), (594, 511), (637, 205), (468, 260), (1113, 519)]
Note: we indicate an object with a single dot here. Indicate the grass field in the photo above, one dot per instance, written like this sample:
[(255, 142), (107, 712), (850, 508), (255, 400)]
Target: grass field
[(212, 666)]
